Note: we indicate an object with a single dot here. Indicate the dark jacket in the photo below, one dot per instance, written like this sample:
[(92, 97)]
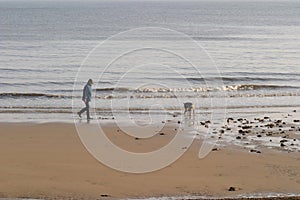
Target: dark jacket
[(87, 93)]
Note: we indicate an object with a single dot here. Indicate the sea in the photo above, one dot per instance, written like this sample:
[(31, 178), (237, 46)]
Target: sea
[(147, 58)]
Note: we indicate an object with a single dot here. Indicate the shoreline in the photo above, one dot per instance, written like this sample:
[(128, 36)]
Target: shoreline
[(48, 161)]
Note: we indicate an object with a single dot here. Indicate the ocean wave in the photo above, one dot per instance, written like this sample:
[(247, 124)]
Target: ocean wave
[(192, 92), (12, 94), (257, 87), (239, 87), (237, 79)]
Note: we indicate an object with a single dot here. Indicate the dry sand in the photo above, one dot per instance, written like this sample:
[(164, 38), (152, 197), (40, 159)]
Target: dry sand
[(49, 161)]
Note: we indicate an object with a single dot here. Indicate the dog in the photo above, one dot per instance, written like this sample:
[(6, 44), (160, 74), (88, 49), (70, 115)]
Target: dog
[(189, 107)]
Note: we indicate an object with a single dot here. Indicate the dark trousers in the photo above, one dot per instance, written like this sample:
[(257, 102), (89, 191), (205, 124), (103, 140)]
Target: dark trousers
[(86, 108)]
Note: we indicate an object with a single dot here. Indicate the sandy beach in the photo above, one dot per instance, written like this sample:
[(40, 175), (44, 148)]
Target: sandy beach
[(49, 161)]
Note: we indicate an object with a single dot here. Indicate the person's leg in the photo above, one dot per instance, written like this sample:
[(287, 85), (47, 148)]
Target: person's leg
[(87, 107), (82, 111)]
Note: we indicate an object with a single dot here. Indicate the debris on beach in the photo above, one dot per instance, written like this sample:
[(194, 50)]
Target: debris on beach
[(273, 132), (231, 189)]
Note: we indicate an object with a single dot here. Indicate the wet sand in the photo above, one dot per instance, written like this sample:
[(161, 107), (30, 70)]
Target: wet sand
[(49, 161)]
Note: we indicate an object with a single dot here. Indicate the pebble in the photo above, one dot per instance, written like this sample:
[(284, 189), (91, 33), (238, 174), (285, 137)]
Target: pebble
[(255, 151), (232, 189), (246, 127), (270, 125), (229, 119)]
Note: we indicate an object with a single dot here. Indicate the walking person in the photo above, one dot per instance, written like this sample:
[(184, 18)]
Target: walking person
[(86, 98)]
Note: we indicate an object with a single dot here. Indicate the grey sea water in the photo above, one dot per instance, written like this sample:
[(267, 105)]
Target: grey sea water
[(253, 44)]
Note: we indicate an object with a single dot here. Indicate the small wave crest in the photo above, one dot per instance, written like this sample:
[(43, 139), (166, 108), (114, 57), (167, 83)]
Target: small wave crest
[(247, 90), (12, 94), (240, 87)]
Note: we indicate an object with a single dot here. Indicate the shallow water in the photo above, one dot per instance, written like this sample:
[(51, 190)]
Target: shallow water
[(249, 58)]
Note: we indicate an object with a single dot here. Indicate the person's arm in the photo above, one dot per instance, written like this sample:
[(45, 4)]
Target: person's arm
[(89, 93), (84, 94)]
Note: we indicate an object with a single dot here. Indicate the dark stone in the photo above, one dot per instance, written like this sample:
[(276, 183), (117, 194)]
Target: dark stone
[(294, 110), (296, 120), (266, 117), (229, 119), (282, 144), (105, 195), (215, 149), (238, 137), (241, 131), (232, 189), (222, 131), (179, 122), (228, 129), (246, 127), (258, 135), (283, 141), (255, 151), (270, 125), (161, 134), (136, 138)]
